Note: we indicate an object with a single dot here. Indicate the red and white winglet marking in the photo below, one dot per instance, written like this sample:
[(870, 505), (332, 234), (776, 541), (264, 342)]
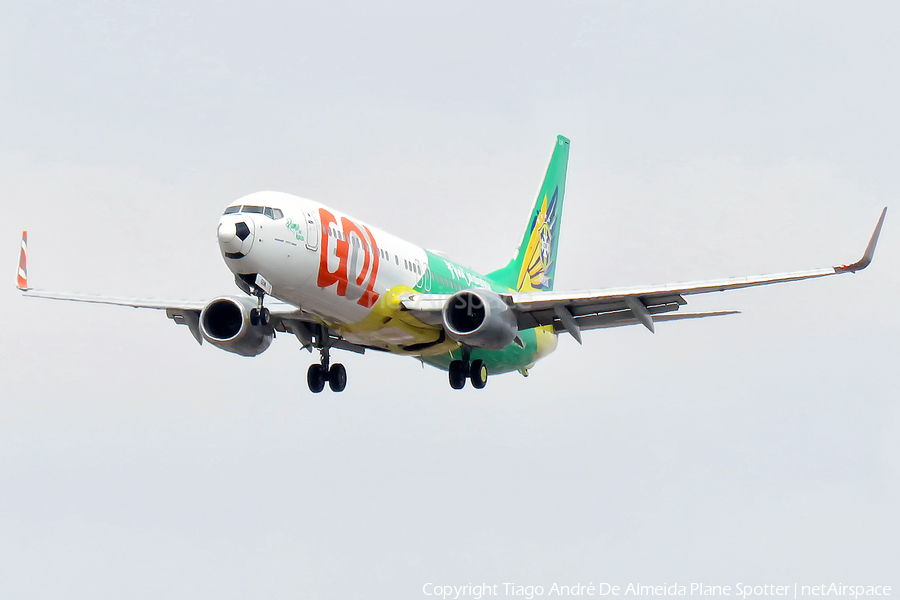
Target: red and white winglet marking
[(22, 279)]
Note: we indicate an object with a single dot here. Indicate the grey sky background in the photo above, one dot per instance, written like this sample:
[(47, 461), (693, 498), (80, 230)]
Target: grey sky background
[(708, 140)]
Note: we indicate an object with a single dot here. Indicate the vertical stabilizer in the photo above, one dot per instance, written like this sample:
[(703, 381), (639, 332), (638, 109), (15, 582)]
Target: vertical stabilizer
[(534, 266)]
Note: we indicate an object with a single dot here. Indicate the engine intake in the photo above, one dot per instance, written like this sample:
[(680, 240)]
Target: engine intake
[(480, 318), (225, 323)]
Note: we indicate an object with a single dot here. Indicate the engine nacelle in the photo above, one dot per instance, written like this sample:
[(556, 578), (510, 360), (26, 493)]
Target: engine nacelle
[(225, 323), (480, 318)]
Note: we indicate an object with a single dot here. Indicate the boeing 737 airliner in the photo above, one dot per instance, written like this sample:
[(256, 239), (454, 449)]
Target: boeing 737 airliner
[(335, 282)]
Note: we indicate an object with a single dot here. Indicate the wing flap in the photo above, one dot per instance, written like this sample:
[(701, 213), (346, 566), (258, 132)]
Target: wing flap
[(623, 318)]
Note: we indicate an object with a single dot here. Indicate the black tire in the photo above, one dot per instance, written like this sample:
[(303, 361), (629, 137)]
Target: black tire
[(457, 374), (337, 377), (254, 316), (315, 378), (478, 374), (265, 316)]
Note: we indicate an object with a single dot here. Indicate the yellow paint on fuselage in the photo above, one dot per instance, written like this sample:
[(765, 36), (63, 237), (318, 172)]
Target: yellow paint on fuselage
[(387, 314), (546, 340)]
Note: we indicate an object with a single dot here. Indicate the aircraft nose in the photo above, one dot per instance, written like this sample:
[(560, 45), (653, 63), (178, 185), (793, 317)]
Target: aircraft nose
[(235, 235)]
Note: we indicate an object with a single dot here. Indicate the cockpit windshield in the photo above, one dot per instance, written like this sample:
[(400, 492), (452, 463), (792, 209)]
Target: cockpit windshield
[(272, 213)]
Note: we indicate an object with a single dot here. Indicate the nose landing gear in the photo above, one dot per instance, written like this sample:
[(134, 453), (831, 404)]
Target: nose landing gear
[(260, 287), (260, 316)]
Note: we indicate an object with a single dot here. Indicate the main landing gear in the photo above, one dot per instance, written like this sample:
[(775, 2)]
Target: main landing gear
[(319, 374), (460, 370)]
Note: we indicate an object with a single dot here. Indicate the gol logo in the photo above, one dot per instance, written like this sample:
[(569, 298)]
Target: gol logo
[(343, 250)]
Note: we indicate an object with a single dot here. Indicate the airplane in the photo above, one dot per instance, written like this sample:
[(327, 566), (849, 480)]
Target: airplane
[(337, 283)]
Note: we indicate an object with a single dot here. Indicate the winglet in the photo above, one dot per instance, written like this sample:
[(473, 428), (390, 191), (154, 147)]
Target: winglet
[(22, 276), (870, 250)]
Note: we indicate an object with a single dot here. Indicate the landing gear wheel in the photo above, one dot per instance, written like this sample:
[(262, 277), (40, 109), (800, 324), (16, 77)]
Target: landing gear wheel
[(315, 378), (337, 377), (478, 373), (457, 374), (260, 316)]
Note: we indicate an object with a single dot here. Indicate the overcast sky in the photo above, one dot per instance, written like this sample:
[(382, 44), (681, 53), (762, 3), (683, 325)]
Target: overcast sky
[(708, 140)]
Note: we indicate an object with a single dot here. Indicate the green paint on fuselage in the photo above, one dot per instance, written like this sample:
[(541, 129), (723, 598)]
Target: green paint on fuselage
[(532, 269), (443, 276)]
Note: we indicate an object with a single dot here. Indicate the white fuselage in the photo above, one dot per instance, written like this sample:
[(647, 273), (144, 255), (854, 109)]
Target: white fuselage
[(318, 258)]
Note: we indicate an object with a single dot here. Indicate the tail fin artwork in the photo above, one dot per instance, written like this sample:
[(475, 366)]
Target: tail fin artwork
[(533, 268), (22, 276)]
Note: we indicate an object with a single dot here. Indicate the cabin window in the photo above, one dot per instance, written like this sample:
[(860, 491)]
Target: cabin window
[(231, 210), (254, 209), (277, 214), (269, 213)]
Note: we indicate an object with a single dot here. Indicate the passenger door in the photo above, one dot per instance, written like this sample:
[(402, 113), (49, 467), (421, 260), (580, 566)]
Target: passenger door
[(312, 230)]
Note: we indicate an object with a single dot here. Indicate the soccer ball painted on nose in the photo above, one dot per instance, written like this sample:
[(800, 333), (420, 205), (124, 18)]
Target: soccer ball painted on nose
[(235, 235)]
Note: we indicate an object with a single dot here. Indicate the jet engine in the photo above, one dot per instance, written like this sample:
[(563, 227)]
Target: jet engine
[(225, 323), (480, 318)]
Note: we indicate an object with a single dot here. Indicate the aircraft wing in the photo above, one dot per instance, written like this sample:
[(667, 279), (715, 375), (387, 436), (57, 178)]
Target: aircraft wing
[(593, 309), (285, 317), (278, 309), (154, 303)]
